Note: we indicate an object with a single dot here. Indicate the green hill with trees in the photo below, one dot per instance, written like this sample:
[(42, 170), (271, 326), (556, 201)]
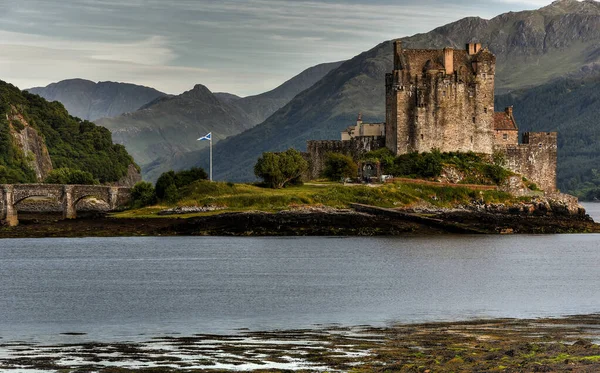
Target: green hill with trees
[(71, 143)]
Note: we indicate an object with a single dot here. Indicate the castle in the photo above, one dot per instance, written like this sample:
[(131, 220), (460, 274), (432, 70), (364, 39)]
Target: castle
[(444, 99)]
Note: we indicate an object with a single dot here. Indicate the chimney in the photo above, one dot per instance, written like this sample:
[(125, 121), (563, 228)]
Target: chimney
[(509, 111), (449, 60), (359, 119), (397, 54), (473, 48)]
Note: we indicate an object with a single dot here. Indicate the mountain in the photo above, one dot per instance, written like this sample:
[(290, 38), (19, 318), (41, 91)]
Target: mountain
[(262, 106), (570, 106), (37, 136), (227, 98), (532, 48), (170, 125), (89, 100)]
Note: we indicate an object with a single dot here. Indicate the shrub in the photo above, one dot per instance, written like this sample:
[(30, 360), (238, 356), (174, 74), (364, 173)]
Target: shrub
[(169, 183), (70, 176), (142, 194), (424, 165), (339, 166), (384, 156), (280, 169)]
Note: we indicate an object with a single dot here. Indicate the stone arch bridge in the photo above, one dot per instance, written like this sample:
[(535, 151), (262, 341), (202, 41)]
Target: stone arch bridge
[(67, 195)]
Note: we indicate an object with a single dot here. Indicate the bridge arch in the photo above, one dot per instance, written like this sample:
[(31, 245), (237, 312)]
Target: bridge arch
[(67, 195)]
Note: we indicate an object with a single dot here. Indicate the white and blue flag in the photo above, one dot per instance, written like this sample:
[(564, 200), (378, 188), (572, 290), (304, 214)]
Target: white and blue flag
[(207, 137)]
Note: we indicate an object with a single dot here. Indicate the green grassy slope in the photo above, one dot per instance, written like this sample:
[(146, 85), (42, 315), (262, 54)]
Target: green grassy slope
[(71, 142)]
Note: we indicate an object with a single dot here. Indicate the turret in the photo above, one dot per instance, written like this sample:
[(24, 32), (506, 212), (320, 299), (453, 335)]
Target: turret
[(397, 54), (449, 60)]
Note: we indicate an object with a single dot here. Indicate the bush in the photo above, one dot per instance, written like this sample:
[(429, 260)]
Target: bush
[(169, 183), (280, 169), (70, 176), (142, 194), (425, 165), (384, 156), (339, 166)]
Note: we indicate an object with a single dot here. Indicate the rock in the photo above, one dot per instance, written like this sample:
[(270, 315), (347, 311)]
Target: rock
[(189, 210)]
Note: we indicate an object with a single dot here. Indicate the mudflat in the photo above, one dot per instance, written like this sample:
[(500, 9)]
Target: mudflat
[(496, 345)]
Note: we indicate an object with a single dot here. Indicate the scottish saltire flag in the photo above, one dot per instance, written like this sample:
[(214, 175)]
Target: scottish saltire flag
[(207, 137)]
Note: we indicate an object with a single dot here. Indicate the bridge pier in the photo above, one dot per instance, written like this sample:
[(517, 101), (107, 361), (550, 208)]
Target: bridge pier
[(69, 211), (113, 198), (8, 214), (67, 195)]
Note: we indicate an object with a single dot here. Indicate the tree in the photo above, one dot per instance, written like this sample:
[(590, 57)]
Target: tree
[(165, 180), (169, 183), (339, 166), (70, 176), (279, 169), (142, 194)]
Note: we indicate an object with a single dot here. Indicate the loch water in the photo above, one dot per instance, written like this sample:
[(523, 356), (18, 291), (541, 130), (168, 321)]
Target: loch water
[(134, 288)]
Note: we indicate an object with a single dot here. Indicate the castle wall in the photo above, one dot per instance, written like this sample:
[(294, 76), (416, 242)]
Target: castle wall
[(355, 147), (506, 137), (535, 158), (427, 108)]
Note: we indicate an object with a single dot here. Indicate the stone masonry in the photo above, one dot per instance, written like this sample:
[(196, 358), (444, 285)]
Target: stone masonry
[(355, 147), (67, 195), (444, 99), (440, 99)]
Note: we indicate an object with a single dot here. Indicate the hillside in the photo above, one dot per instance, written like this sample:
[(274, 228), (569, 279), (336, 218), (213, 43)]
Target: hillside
[(532, 48), (570, 106), (260, 107), (37, 135), (88, 100), (171, 125)]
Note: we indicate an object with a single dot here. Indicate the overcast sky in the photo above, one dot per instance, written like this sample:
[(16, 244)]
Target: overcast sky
[(238, 46)]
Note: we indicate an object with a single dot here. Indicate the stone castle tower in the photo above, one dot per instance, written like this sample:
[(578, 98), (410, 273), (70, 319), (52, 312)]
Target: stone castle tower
[(442, 99)]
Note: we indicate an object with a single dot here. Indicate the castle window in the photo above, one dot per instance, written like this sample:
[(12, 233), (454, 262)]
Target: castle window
[(471, 139), (540, 145), (473, 119), (484, 75), (505, 136), (422, 137), (444, 93), (485, 110)]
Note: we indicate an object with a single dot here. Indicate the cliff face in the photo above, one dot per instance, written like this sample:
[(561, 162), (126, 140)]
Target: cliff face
[(30, 143)]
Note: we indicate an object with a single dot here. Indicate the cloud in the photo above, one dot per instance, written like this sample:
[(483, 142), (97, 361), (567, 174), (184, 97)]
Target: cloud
[(243, 47)]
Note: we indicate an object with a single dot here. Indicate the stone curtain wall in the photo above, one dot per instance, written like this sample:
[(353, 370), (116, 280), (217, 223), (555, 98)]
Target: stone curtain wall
[(535, 159), (318, 149)]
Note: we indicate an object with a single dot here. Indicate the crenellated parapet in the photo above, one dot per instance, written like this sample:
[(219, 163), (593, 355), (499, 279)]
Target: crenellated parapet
[(67, 195)]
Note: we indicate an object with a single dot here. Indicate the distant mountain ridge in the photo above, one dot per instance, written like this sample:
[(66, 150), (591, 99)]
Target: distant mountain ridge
[(90, 101), (260, 107), (532, 48), (169, 126)]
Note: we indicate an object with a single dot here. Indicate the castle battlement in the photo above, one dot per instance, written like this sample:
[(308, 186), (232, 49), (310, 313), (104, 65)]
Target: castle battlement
[(444, 99)]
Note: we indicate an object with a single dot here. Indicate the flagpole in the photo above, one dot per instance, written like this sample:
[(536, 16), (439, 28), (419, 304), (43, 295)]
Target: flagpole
[(211, 157)]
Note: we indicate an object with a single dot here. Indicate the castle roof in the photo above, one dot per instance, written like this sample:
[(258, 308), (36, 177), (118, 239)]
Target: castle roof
[(504, 121)]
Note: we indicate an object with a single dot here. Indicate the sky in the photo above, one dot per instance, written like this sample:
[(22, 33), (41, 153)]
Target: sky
[(243, 47)]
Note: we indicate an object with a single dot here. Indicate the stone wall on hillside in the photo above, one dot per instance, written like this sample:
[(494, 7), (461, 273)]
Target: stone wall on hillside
[(534, 158), (355, 147)]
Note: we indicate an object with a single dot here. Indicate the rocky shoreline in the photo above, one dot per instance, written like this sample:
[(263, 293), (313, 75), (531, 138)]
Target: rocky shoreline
[(533, 217), (567, 344)]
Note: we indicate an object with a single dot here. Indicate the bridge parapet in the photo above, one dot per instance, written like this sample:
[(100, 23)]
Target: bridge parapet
[(67, 195)]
